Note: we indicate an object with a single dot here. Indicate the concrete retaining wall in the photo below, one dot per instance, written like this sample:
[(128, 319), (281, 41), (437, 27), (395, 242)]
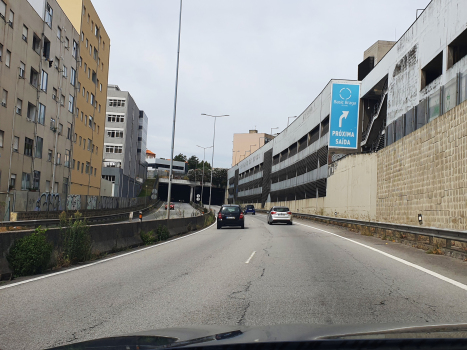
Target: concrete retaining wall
[(105, 238)]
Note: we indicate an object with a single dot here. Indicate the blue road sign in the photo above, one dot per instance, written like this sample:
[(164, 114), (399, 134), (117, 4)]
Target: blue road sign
[(343, 127)]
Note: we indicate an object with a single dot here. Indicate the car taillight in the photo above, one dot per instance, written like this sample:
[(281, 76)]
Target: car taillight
[(289, 212), (241, 215), (273, 212), (220, 216)]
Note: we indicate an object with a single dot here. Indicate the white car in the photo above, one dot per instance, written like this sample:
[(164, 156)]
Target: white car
[(280, 214)]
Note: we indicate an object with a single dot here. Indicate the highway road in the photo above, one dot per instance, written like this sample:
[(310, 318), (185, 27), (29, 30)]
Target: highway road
[(305, 273)]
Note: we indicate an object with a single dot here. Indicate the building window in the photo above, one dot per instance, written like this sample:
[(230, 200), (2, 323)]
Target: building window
[(36, 180), (67, 43), (98, 129), (432, 70), (39, 144), (19, 106), (8, 58), (31, 112), (90, 49), (82, 115), (74, 53), (60, 128), (99, 108), (41, 115), (28, 146), (2, 134), (4, 97), (87, 167), (12, 181), (25, 33), (79, 163), (44, 81), (116, 102), (57, 63), (92, 169), (52, 123), (92, 99), (2, 9), (89, 17), (115, 118), (97, 149), (80, 138), (95, 171), (113, 149), (54, 94), (65, 185), (89, 144), (75, 137), (84, 91), (1, 49), (15, 144), (67, 158), (49, 14), (87, 43), (73, 77), (80, 61), (82, 36), (71, 103), (115, 133), (49, 155), (34, 78), (11, 19), (87, 96), (47, 186), (59, 33), (95, 54), (90, 122), (94, 77), (22, 68), (100, 87), (85, 120), (65, 72), (26, 181), (46, 48), (59, 159), (73, 164), (68, 135), (62, 100), (36, 44)]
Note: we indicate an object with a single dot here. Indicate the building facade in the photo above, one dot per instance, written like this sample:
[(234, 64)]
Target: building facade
[(121, 157), (37, 83), (161, 166), (142, 145), (91, 98), (245, 144)]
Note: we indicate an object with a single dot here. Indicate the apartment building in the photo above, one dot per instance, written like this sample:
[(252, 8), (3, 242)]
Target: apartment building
[(142, 144), (91, 97), (38, 52), (121, 157), (247, 143)]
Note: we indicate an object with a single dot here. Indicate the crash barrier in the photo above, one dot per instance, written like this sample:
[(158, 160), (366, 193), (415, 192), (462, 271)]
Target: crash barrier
[(124, 215), (442, 241), (105, 237)]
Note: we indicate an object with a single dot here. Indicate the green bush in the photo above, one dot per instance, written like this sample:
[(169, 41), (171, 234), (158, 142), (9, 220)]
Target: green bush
[(209, 219), (77, 243), (162, 233), (148, 237), (30, 255)]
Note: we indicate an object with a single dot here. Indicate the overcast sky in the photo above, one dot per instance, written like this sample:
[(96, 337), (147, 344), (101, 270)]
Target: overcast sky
[(260, 61)]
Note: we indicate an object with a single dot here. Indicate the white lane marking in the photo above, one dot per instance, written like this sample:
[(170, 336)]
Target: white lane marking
[(429, 272), (101, 261), (251, 257)]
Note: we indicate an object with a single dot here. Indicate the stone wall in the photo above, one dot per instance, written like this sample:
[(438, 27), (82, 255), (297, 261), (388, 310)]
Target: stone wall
[(426, 173), (350, 193)]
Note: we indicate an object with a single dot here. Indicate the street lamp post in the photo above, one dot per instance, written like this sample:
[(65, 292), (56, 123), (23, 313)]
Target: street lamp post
[(213, 142), (273, 129), (204, 164), (169, 194)]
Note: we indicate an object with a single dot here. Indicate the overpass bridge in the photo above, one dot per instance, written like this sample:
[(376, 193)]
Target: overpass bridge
[(186, 191)]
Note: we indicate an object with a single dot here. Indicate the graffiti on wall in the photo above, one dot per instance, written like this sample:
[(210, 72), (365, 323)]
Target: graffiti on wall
[(91, 202), (109, 202), (73, 202), (48, 202)]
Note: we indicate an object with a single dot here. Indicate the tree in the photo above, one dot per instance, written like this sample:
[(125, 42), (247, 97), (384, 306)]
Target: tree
[(193, 162), (206, 165), (180, 158), (219, 177)]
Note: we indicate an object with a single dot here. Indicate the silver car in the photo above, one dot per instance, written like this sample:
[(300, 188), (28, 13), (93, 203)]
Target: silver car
[(280, 214)]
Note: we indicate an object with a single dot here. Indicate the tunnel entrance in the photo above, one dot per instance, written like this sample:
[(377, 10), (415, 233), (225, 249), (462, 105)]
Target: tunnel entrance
[(181, 193)]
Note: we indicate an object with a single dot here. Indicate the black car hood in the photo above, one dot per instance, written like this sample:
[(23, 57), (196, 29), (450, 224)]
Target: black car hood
[(219, 335)]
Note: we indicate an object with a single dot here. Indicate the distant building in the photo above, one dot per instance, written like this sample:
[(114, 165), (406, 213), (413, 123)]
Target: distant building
[(142, 144), (245, 144), (161, 166), (121, 163)]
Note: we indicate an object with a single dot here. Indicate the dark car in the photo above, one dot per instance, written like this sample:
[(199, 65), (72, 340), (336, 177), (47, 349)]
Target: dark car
[(230, 215), (250, 209)]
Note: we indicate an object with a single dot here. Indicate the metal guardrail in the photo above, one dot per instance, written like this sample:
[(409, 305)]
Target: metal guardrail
[(460, 236), (89, 219)]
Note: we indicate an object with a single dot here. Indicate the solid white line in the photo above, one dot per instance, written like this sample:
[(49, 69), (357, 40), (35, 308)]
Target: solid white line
[(251, 256), (429, 272), (101, 261)]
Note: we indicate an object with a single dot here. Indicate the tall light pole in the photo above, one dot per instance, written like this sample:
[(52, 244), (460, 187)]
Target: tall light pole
[(273, 129), (288, 119), (204, 164), (169, 194), (213, 141)]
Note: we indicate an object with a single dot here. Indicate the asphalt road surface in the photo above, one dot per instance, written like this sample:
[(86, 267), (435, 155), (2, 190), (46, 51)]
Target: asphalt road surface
[(305, 273)]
